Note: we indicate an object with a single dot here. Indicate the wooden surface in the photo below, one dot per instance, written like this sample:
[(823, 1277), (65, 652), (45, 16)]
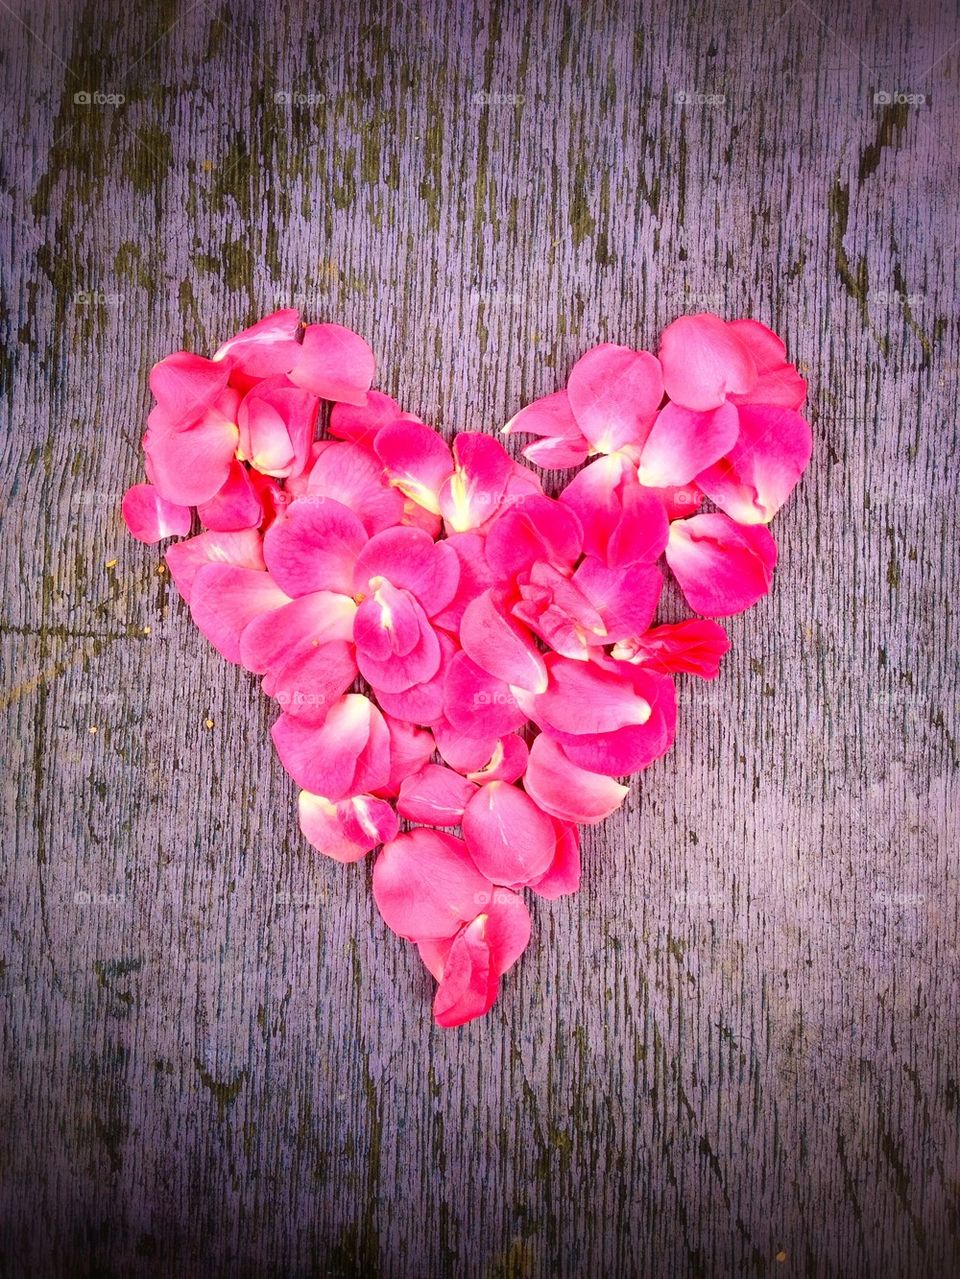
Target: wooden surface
[(735, 1051)]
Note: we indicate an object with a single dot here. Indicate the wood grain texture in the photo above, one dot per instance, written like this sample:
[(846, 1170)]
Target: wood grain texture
[(735, 1051)]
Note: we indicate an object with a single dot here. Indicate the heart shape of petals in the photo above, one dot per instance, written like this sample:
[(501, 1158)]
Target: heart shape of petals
[(468, 669)]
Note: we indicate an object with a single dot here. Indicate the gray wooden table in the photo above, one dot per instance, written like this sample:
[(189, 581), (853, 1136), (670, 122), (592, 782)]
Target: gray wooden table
[(736, 1050)]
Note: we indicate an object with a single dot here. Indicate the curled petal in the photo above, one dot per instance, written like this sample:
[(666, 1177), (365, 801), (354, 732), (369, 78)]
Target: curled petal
[(510, 838), (583, 697), (277, 425), (267, 348), (562, 442), (563, 790), (473, 494), (762, 468), (463, 751), (416, 459), (470, 966), (150, 517), (348, 830), (722, 567), (476, 576), (693, 647), (532, 530), (185, 386), (614, 394), (562, 876), (335, 364), (359, 423), (704, 361)]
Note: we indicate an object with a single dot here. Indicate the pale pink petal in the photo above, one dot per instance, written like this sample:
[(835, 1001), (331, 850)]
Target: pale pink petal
[(761, 470), (235, 506), (477, 702), (499, 645), (346, 754), (184, 559), (409, 560), (704, 361), (315, 548), (435, 796), (463, 751), (415, 516), (271, 641), (384, 628), (562, 876), (425, 884), (475, 491), (537, 528), (313, 679), (348, 830), (562, 443), (694, 647), (354, 476), (334, 363), (416, 459), (778, 382), (510, 839), (277, 424), (722, 567), (614, 393), (225, 599), (566, 791), (683, 442), (267, 348), (186, 385), (150, 517)]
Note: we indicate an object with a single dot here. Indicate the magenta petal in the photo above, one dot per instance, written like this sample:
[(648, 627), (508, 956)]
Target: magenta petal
[(277, 423), (704, 361), (425, 884), (225, 599), (566, 791), (501, 647), (304, 623), (435, 796), (640, 535), (359, 423), (315, 548), (334, 363), (537, 528), (468, 986), (762, 468), (150, 517), (475, 491), (476, 576), (583, 697), (346, 754), (562, 443), (235, 506), (354, 477), (463, 751), (189, 467), (562, 876), (186, 385), (694, 647), (506, 764), (510, 839), (408, 559), (410, 748), (778, 382), (614, 393), (595, 495), (628, 749), (416, 459), (348, 830), (722, 567), (625, 598), (478, 702), (185, 559), (267, 348), (683, 442)]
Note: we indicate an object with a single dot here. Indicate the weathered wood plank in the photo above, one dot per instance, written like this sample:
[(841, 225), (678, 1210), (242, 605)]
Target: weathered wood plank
[(740, 1040)]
